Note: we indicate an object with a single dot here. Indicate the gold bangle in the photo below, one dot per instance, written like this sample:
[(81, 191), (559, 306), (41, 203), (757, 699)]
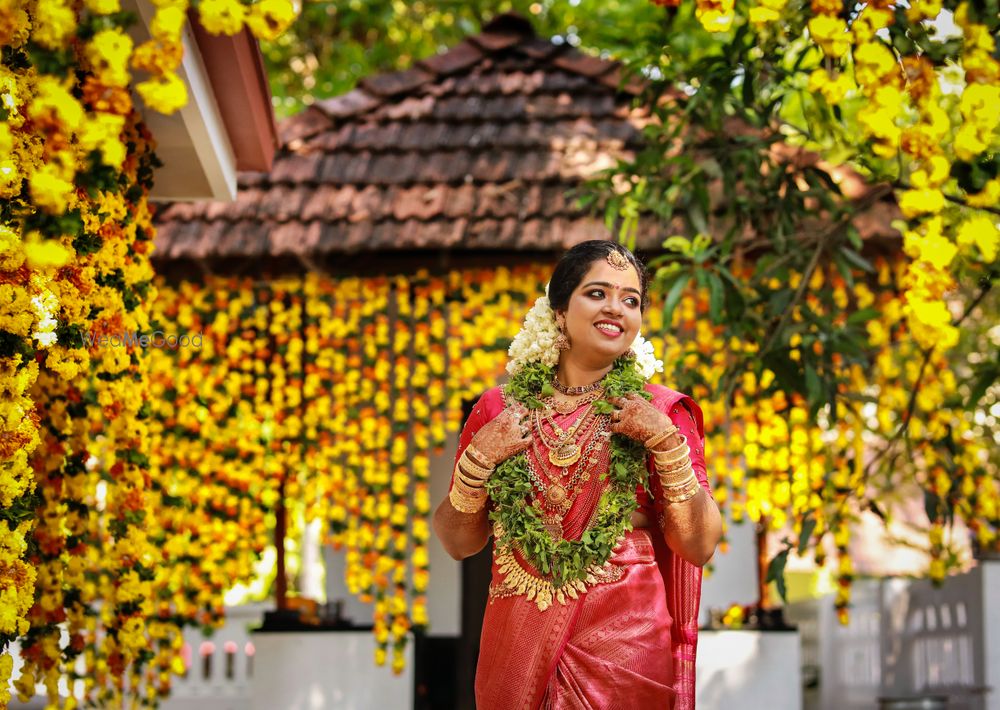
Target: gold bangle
[(477, 456), (682, 442), (464, 503), (663, 457), (680, 483), (479, 471), (673, 472), (473, 484), (661, 437), (675, 477), (683, 498), (668, 463), (687, 494), (476, 484)]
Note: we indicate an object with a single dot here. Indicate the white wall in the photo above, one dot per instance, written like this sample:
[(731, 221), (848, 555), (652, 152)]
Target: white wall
[(444, 593), (734, 578)]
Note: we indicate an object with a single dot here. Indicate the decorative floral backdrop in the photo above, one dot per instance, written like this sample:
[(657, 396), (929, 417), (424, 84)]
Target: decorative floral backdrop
[(389, 362), (137, 482), (92, 578)]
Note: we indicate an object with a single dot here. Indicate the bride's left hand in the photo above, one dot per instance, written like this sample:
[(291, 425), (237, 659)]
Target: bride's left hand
[(636, 418)]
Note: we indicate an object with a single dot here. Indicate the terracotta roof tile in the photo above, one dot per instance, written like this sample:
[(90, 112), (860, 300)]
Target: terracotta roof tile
[(295, 238), (496, 41), (411, 108), (499, 200), (293, 167), (539, 49), (347, 105), (461, 201), (456, 59), (281, 203), (249, 179), (244, 238), (327, 203), (394, 83), (301, 125), (494, 167), (576, 61), (179, 211), (481, 147), (419, 202), (447, 167), (356, 237)]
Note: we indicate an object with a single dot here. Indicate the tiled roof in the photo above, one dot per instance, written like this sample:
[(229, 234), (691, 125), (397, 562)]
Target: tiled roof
[(476, 148)]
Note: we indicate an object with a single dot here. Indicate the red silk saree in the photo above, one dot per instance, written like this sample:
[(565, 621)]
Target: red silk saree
[(629, 640)]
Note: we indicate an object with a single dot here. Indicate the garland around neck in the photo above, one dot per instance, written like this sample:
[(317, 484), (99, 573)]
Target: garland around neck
[(567, 566)]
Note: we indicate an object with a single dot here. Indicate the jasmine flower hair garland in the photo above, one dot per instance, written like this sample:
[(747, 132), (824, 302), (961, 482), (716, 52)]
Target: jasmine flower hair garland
[(536, 343), (567, 564)]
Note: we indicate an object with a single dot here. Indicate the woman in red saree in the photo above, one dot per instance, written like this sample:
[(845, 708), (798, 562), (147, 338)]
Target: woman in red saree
[(573, 620)]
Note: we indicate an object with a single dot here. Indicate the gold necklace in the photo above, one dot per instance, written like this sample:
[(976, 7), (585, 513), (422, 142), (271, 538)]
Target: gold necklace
[(560, 387), (565, 404), (557, 494), (564, 450)]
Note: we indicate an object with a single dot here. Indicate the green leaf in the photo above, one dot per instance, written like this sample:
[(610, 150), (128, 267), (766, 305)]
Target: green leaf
[(716, 297), (988, 375), (776, 572), (808, 527), (863, 316), (674, 297), (779, 301), (857, 260), (813, 388), (844, 269)]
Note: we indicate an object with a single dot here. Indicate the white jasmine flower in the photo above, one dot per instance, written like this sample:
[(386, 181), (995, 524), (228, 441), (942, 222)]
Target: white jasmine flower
[(645, 358), (536, 342), (44, 305)]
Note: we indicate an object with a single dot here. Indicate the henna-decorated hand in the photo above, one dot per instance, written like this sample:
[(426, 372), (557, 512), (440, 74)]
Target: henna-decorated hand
[(504, 436), (638, 419)]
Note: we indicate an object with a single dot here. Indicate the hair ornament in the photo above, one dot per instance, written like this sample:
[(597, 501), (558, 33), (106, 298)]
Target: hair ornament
[(618, 260)]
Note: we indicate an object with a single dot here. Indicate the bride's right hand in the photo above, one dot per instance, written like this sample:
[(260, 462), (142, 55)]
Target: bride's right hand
[(504, 436)]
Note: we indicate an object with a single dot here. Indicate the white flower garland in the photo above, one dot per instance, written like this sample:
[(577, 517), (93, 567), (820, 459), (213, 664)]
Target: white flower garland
[(536, 342), (45, 306)]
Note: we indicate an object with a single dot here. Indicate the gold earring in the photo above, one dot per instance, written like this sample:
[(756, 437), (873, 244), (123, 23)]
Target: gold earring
[(562, 341)]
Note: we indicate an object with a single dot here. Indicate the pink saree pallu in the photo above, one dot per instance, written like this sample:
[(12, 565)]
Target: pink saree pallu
[(609, 648)]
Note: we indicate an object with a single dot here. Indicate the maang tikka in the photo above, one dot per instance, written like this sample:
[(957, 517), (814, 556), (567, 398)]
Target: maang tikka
[(618, 260)]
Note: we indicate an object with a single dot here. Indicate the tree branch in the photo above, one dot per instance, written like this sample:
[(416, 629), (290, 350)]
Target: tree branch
[(846, 218)]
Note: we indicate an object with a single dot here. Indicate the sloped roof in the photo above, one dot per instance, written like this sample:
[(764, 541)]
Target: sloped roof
[(474, 148), (478, 148)]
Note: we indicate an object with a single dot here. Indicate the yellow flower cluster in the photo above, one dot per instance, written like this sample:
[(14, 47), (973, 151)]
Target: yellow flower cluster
[(909, 110), (776, 463), (160, 56), (89, 279), (211, 431), (74, 264)]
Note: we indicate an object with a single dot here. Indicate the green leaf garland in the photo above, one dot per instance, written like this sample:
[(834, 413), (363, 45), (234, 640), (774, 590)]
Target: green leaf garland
[(511, 489)]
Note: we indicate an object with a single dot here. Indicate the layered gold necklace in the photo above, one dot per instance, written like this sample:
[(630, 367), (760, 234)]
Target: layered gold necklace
[(574, 451)]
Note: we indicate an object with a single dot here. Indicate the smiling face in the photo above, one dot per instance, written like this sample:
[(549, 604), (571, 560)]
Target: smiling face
[(604, 314)]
